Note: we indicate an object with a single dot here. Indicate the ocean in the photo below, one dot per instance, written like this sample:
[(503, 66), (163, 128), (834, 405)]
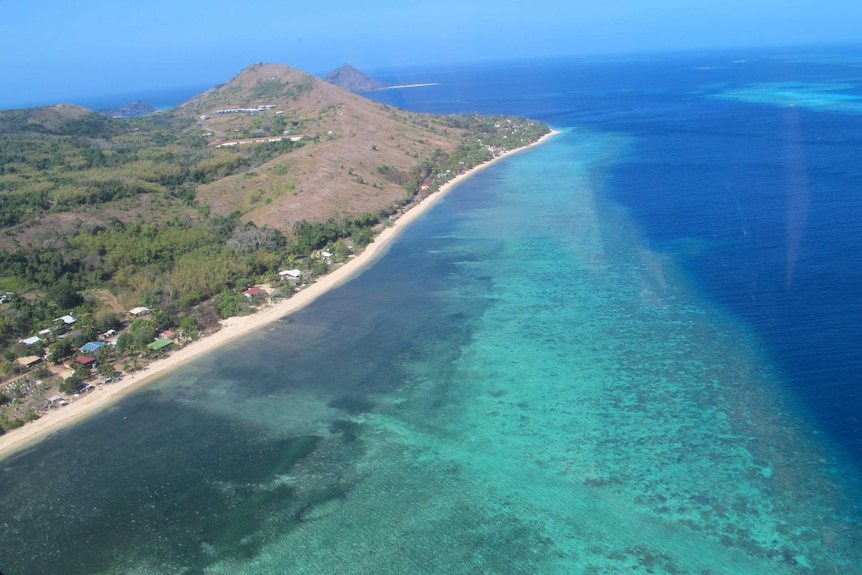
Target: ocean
[(632, 349)]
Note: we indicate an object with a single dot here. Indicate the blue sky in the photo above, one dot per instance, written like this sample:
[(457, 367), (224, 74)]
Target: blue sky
[(66, 51)]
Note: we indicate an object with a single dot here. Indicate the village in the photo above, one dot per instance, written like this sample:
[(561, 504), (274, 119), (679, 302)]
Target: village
[(44, 380)]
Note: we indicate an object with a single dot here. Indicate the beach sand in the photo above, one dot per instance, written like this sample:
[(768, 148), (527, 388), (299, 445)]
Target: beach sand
[(232, 328)]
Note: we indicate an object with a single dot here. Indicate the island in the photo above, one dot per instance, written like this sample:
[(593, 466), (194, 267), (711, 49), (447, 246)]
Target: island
[(130, 110), (351, 79)]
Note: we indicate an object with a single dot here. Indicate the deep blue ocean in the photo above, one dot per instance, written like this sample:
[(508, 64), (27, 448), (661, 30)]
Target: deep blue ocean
[(744, 167), (633, 348)]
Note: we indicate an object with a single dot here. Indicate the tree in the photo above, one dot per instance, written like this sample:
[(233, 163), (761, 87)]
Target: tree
[(228, 303), (125, 342), (363, 236), (341, 251), (106, 321), (189, 327), (72, 384), (106, 369), (64, 295), (60, 350), (142, 331)]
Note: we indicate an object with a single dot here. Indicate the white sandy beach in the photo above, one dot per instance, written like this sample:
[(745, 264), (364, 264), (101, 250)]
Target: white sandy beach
[(232, 328)]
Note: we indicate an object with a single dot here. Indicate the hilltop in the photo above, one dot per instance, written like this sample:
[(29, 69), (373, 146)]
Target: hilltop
[(356, 154), (59, 119), (351, 79)]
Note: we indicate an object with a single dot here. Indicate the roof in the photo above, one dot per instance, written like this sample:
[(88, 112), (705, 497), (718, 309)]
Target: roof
[(85, 359), (67, 319), (31, 340), (254, 291), (290, 273), (29, 360), (160, 343), (92, 346), (139, 310)]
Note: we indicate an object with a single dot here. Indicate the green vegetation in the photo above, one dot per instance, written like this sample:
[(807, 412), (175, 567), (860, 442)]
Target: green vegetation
[(139, 236)]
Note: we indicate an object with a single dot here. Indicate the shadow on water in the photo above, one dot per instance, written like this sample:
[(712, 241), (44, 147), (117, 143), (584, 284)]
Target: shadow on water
[(186, 489), (352, 405)]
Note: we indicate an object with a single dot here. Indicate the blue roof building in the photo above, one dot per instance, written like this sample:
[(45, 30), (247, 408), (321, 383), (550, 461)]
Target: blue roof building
[(92, 346)]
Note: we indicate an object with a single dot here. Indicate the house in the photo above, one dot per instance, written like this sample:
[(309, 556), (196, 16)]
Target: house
[(253, 291), (167, 334), (139, 311), (56, 400), (29, 361), (325, 254), (66, 319), (290, 274), (160, 344), (30, 340), (83, 360), (91, 346)]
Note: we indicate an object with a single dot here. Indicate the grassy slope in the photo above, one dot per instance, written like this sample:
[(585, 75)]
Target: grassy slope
[(354, 136)]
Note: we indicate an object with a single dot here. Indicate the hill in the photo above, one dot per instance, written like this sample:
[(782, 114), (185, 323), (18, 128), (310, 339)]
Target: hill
[(351, 79), (356, 154), (59, 119)]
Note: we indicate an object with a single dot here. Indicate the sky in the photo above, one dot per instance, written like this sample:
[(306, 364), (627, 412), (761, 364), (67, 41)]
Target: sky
[(61, 51)]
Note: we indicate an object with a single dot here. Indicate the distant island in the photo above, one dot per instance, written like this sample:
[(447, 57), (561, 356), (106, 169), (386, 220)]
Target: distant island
[(124, 239), (130, 110), (352, 80)]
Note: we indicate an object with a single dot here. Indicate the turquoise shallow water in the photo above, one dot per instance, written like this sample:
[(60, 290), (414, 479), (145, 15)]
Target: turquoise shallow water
[(518, 386)]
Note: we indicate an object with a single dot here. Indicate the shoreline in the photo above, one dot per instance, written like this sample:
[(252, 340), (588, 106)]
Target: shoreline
[(233, 327)]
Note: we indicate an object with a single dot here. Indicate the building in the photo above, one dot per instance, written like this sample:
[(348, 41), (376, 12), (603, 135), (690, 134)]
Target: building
[(28, 361), (139, 311), (82, 360), (290, 274), (56, 400), (253, 291), (92, 346), (66, 319), (160, 344), (30, 340)]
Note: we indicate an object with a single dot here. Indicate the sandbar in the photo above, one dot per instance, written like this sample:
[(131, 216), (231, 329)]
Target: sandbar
[(232, 328)]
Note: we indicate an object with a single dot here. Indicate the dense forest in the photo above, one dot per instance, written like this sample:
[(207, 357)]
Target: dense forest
[(140, 237)]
